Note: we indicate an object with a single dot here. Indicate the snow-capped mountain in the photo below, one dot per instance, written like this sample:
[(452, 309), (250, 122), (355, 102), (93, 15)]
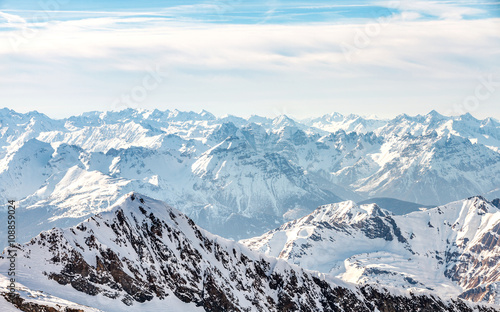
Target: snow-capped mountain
[(452, 250), (143, 255), (237, 177), (350, 123), (396, 206)]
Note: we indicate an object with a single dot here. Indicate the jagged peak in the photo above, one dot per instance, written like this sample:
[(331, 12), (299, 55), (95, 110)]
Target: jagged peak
[(283, 120), (259, 119), (468, 116), (433, 114), (332, 117), (7, 111), (133, 201), (336, 114), (137, 207), (10, 114), (206, 114), (402, 118), (477, 198), (474, 205), (490, 121), (353, 116), (482, 204), (345, 212)]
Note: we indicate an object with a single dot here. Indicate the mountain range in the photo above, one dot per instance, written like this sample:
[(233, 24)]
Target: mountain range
[(238, 177)]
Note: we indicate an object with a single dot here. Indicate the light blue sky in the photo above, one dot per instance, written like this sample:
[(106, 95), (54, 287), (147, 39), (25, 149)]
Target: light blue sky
[(63, 57)]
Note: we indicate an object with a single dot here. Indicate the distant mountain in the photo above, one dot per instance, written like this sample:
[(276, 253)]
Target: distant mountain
[(234, 176), (451, 250), (143, 255), (352, 123), (396, 206)]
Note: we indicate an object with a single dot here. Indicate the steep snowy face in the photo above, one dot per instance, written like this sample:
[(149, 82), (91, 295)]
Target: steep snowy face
[(476, 266), (143, 255), (345, 212), (268, 182), (238, 177), (452, 249)]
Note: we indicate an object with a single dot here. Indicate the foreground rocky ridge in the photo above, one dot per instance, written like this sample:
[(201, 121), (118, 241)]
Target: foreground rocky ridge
[(143, 251)]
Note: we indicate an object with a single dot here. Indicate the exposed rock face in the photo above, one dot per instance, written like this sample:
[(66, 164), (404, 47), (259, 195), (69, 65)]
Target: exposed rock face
[(144, 250), (478, 269)]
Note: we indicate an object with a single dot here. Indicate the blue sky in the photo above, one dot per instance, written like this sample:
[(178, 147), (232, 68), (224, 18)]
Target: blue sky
[(64, 57)]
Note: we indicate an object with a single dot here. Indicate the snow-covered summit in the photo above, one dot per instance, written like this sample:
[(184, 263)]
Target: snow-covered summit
[(346, 212)]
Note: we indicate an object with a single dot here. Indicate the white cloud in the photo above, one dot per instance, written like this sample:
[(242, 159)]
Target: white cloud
[(12, 20), (265, 47), (99, 58)]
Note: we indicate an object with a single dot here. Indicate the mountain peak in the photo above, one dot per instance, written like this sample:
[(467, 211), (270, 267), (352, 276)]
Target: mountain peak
[(482, 205), (468, 116), (7, 111), (133, 201), (207, 115), (434, 114), (345, 212), (334, 117), (283, 120)]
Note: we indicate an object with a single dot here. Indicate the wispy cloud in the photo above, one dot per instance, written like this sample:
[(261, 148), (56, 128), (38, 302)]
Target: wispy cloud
[(261, 46), (92, 57), (12, 19), (441, 9)]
